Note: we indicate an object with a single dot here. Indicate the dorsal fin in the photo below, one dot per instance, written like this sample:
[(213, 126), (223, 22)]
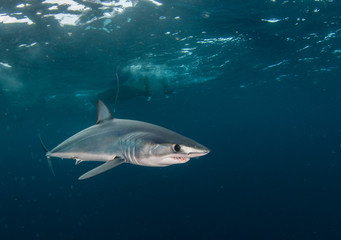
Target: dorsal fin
[(103, 112)]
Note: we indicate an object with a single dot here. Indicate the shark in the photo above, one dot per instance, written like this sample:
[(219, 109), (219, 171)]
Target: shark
[(115, 141)]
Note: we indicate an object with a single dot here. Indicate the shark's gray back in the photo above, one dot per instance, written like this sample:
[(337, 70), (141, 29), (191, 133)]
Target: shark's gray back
[(101, 140)]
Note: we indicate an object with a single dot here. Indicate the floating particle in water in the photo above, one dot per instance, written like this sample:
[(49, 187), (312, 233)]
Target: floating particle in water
[(205, 14)]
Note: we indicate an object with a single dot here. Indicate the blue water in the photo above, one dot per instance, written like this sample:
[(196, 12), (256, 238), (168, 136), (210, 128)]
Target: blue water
[(258, 82)]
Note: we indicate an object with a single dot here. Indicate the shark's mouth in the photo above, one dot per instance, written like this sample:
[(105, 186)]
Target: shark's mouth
[(182, 159)]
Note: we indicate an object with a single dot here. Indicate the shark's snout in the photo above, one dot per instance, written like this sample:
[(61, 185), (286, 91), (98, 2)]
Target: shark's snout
[(206, 150), (199, 151)]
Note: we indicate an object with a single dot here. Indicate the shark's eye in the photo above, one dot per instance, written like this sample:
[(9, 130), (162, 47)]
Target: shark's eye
[(176, 148)]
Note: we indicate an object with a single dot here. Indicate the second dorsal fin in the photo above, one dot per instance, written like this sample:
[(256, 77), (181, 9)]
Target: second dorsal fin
[(103, 112)]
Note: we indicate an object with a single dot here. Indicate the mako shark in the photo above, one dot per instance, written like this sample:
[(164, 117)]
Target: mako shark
[(117, 141)]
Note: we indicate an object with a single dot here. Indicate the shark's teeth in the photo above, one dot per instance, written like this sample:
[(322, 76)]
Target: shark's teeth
[(182, 159)]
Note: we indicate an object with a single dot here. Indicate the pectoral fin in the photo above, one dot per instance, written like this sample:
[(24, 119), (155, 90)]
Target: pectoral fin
[(102, 168)]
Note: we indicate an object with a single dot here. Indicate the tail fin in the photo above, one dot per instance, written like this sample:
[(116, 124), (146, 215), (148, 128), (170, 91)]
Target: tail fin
[(48, 158)]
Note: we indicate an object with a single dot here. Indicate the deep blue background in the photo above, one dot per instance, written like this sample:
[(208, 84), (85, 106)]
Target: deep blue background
[(274, 170)]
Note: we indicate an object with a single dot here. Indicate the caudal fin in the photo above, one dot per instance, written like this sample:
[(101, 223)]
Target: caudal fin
[(48, 158)]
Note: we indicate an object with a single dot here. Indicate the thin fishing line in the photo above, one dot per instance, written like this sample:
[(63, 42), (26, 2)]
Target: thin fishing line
[(117, 90)]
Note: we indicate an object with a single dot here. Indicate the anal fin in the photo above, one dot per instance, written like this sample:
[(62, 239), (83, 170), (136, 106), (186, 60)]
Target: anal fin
[(78, 161), (102, 168)]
